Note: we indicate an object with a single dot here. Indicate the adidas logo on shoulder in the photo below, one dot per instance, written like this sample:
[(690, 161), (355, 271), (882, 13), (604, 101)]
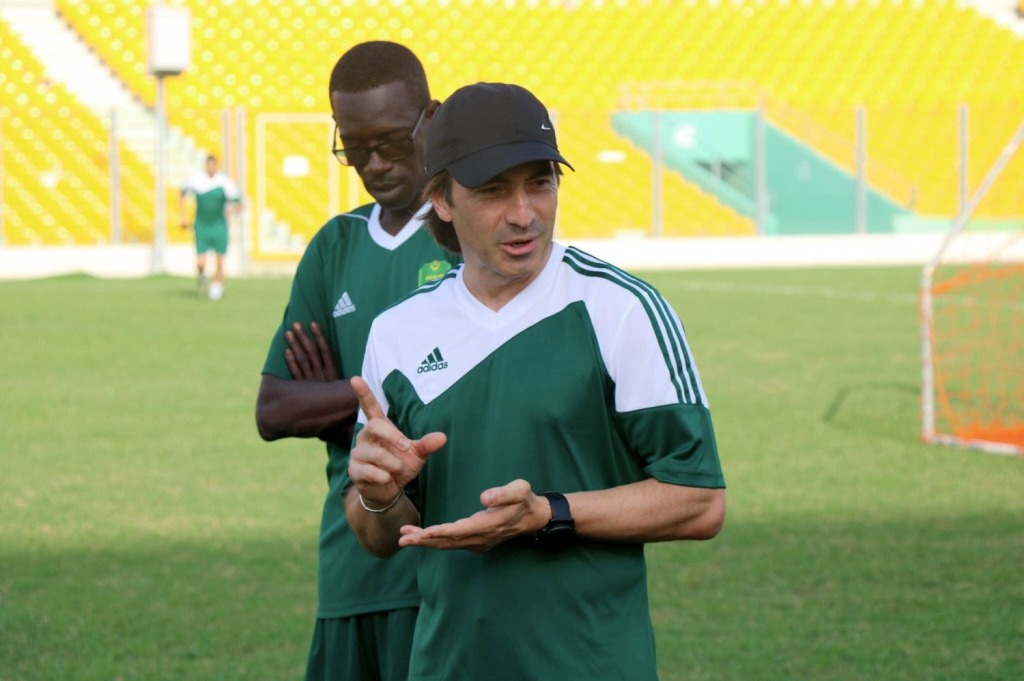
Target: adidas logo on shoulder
[(344, 305), (433, 362)]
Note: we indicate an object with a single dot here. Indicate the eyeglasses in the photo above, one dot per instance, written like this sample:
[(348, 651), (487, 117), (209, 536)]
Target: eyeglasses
[(390, 150)]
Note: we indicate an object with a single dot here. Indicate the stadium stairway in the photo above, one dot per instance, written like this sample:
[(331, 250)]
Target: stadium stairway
[(69, 61)]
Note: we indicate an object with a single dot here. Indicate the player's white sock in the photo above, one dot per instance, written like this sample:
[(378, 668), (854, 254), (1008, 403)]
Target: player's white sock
[(216, 290)]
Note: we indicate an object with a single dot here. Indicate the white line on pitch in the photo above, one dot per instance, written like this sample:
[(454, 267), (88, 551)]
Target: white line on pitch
[(795, 291)]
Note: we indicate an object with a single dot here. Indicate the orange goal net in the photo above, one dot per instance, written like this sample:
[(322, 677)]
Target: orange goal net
[(972, 314)]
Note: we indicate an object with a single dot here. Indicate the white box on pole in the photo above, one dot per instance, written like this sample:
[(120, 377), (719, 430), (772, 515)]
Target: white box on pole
[(170, 39)]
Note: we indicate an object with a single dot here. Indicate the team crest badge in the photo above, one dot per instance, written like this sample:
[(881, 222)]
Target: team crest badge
[(433, 271)]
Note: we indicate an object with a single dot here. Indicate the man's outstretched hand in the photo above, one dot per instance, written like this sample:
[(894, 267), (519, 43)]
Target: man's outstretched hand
[(509, 511)]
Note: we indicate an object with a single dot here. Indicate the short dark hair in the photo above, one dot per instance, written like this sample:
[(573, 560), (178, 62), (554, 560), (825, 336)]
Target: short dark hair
[(442, 230), (379, 62)]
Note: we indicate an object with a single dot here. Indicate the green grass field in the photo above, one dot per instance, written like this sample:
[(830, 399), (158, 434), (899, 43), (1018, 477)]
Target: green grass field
[(146, 532)]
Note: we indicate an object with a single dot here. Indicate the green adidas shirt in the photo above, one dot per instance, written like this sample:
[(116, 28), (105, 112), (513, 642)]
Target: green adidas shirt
[(212, 194), (584, 381), (351, 271)]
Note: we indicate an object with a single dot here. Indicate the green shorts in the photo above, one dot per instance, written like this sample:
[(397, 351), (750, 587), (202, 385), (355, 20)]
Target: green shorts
[(371, 647), (212, 239)]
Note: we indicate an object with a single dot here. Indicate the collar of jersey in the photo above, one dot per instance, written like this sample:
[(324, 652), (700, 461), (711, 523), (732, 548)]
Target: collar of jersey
[(387, 241), (527, 299)]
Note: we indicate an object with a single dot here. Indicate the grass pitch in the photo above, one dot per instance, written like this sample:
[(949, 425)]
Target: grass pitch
[(146, 532)]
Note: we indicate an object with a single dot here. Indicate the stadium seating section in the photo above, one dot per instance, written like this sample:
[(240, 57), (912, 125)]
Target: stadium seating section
[(56, 162), (909, 63), (55, 154)]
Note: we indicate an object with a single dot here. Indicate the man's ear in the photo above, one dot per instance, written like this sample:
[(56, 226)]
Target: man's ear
[(441, 206), (432, 107)]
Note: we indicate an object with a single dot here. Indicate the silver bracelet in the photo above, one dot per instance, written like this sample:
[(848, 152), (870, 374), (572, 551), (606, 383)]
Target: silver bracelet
[(362, 502)]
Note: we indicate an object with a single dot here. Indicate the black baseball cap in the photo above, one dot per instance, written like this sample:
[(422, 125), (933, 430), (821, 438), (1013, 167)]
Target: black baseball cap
[(483, 130)]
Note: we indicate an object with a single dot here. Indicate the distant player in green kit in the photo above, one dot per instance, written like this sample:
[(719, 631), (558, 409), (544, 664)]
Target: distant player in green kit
[(216, 197), (527, 423), (358, 264)]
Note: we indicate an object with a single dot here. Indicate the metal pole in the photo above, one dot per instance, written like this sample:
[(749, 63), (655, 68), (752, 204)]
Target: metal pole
[(925, 303), (243, 213), (261, 169), (862, 185), (965, 156), (225, 141), (115, 182), (656, 158), (965, 215), (760, 172), (159, 235)]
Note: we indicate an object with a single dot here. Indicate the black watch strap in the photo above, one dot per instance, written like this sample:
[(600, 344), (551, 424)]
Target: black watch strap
[(559, 508), (560, 532)]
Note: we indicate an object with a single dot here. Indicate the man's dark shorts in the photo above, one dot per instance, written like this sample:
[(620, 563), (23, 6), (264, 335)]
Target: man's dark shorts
[(371, 647)]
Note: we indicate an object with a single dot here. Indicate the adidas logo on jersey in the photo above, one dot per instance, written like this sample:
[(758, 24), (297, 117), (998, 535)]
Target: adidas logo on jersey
[(344, 305), (433, 362)]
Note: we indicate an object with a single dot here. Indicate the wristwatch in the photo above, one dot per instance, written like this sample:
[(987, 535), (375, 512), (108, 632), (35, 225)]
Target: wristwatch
[(560, 532)]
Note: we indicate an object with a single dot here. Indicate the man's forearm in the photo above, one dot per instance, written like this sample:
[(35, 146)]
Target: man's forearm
[(379, 532), (303, 408), (648, 511)]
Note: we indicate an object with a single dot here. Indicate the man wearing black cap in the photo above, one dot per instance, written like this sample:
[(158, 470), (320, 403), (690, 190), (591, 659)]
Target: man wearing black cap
[(537, 407)]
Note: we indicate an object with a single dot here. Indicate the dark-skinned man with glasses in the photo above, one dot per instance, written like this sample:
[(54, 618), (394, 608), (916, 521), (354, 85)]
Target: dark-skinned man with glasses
[(357, 265)]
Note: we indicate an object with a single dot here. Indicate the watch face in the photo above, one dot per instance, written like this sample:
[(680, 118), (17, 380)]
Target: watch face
[(558, 535), (561, 529)]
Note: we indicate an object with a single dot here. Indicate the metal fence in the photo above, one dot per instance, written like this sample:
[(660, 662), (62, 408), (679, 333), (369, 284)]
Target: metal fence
[(670, 161)]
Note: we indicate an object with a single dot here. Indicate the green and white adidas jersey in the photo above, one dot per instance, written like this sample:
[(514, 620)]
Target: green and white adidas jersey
[(584, 381), (212, 195), (351, 270)]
